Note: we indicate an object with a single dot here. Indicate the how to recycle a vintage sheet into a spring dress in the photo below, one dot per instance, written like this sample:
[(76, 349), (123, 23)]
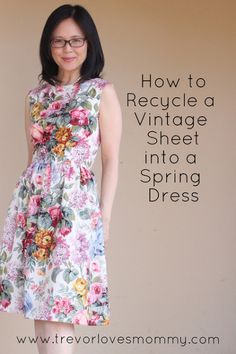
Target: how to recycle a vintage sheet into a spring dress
[(52, 259)]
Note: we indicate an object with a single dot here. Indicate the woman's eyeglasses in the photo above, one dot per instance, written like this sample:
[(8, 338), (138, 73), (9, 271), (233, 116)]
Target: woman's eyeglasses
[(74, 42)]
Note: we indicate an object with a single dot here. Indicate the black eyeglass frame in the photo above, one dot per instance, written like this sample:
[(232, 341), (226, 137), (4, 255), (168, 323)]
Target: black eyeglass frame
[(68, 41)]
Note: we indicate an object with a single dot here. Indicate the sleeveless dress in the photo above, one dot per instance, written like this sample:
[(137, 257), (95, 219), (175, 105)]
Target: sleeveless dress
[(52, 256)]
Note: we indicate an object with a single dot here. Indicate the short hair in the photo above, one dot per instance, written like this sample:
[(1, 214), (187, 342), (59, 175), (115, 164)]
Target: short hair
[(94, 62)]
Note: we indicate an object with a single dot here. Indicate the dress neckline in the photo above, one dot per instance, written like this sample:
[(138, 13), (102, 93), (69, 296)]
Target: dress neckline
[(69, 85)]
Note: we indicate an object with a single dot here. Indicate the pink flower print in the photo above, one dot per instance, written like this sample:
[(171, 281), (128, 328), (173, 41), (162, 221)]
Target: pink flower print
[(56, 214), (28, 240), (21, 219), (5, 303), (34, 204), (47, 133), (95, 293), (68, 170), (70, 173), (31, 231), (93, 320), (36, 132), (55, 309), (59, 88), (85, 175), (96, 289), (65, 230), (80, 317), (56, 105), (66, 306), (44, 113), (95, 267), (39, 179), (62, 306), (87, 133), (79, 116), (49, 128), (39, 134)]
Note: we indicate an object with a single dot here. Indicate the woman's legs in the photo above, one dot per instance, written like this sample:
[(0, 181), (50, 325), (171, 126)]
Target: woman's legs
[(54, 332)]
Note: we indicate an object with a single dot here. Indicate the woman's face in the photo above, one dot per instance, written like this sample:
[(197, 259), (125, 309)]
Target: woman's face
[(68, 29)]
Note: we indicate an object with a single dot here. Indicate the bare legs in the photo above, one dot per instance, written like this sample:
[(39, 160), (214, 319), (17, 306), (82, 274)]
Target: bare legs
[(54, 331)]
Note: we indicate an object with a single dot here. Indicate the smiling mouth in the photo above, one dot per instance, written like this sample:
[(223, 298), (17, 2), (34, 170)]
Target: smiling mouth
[(68, 59)]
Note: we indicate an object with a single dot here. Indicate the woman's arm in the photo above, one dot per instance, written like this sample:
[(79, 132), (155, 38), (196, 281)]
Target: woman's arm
[(110, 117), (27, 130)]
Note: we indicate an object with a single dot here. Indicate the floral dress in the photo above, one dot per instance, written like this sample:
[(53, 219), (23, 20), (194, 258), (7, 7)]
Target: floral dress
[(52, 259)]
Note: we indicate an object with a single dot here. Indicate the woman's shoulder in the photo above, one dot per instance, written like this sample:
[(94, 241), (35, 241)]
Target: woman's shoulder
[(100, 82), (34, 91)]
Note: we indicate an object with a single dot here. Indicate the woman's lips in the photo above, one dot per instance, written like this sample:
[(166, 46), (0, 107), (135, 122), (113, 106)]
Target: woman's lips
[(68, 59)]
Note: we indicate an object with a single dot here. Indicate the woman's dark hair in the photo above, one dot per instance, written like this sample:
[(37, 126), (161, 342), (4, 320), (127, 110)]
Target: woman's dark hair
[(94, 62)]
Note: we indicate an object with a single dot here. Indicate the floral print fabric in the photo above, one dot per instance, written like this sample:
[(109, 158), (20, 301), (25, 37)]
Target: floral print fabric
[(52, 259)]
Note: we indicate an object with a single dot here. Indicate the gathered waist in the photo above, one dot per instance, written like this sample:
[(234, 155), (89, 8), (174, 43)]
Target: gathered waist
[(41, 156), (54, 171)]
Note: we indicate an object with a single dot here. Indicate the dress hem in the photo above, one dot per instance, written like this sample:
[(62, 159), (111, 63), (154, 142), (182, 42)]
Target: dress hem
[(104, 324)]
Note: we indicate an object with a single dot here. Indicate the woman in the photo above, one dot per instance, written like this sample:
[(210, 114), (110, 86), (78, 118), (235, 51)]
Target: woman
[(52, 259)]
